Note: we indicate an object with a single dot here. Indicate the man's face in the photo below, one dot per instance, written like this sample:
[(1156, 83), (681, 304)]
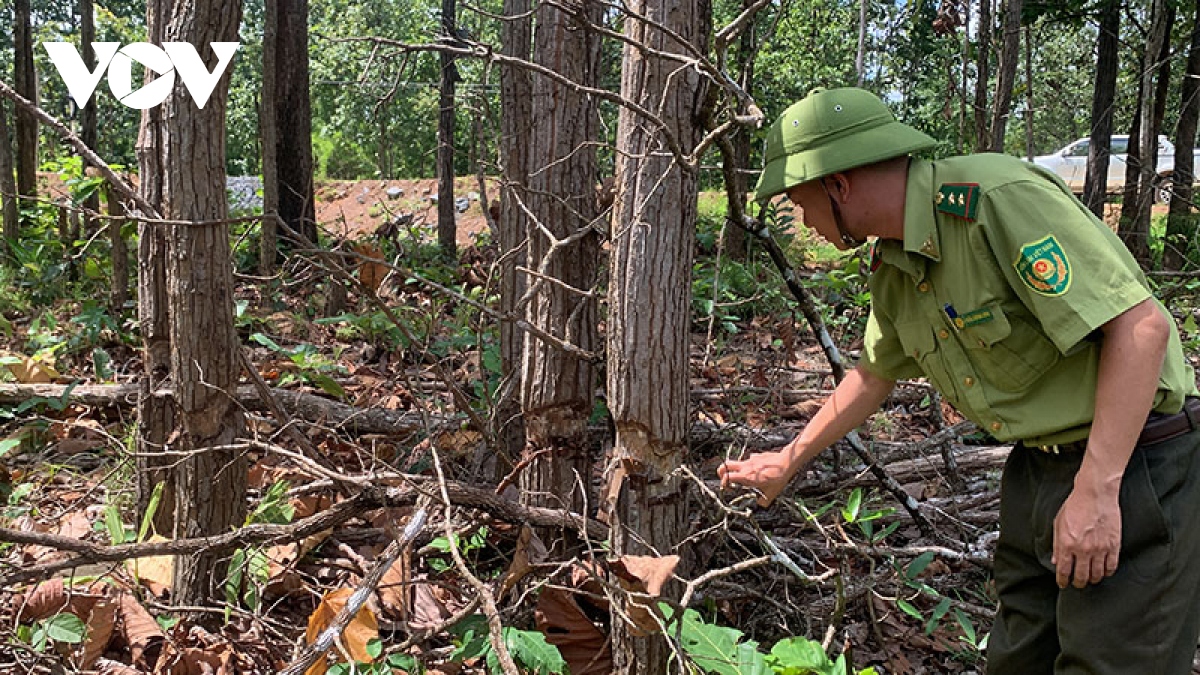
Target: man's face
[(814, 202)]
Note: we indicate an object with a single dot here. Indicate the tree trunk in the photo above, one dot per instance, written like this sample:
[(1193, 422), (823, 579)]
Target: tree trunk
[(1010, 52), (25, 84), (87, 116), (557, 387), (1029, 151), (268, 121), (1135, 214), (516, 94), (447, 229), (8, 186), (1181, 222), (649, 315), (293, 119), (983, 55), (735, 236), (156, 417), (859, 68), (1095, 186), (119, 293), (188, 151)]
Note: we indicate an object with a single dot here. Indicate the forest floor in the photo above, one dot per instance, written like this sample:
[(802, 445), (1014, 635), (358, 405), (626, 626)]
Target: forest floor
[(838, 560)]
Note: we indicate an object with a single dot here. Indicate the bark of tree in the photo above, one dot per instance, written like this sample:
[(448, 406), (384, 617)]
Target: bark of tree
[(183, 164), (119, 293), (557, 387), (1006, 78), (1029, 151), (649, 301), (516, 94), (983, 55), (1095, 186), (293, 119), (447, 228), (1181, 221), (859, 68), (25, 84), (735, 237), (1134, 227), (268, 245), (8, 185), (87, 116)]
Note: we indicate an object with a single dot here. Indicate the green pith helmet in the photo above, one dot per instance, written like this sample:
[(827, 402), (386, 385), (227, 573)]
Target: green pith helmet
[(829, 131)]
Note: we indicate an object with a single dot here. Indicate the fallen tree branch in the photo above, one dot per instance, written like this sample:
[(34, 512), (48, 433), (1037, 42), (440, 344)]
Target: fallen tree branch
[(369, 583), (414, 488)]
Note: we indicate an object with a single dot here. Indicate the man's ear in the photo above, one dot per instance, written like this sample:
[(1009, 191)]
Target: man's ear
[(838, 185)]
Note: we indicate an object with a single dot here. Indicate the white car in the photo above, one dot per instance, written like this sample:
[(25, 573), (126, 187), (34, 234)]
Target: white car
[(1070, 163)]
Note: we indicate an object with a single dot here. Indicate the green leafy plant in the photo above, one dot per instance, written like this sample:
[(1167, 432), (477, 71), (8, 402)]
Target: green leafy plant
[(249, 568), (311, 365), (528, 648), (721, 650), (466, 547), (64, 628), (854, 513)]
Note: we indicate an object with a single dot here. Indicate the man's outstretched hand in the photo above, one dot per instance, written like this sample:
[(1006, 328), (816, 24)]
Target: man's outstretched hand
[(766, 472)]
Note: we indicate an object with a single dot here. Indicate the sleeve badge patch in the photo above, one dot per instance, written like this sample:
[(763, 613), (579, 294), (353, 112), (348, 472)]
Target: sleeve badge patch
[(1044, 267), (958, 199)]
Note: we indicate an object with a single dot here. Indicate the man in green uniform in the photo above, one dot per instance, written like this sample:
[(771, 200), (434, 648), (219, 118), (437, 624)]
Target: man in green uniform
[(993, 282)]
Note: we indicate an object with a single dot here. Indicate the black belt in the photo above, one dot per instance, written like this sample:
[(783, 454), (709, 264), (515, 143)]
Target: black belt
[(1158, 428)]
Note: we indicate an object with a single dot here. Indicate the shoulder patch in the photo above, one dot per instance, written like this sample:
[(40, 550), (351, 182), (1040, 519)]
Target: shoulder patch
[(1044, 267), (958, 199)]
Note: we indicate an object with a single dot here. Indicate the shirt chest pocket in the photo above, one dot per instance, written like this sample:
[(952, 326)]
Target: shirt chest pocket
[(921, 345), (1009, 353)]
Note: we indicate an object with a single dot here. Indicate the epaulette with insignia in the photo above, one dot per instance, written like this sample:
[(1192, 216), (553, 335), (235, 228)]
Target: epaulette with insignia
[(958, 199), (875, 258)]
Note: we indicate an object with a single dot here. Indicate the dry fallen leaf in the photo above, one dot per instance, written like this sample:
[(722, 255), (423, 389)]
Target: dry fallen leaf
[(156, 572), (582, 645), (31, 371), (643, 577), (139, 630), (362, 628)]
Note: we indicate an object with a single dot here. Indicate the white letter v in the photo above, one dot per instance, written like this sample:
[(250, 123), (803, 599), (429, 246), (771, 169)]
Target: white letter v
[(81, 82)]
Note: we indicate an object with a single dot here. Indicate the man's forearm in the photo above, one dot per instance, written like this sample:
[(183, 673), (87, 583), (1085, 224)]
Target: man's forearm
[(854, 400), (1131, 358)]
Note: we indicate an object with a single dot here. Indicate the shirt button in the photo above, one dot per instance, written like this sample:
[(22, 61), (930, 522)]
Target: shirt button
[(943, 333), (968, 381), (916, 353), (923, 287), (996, 426)]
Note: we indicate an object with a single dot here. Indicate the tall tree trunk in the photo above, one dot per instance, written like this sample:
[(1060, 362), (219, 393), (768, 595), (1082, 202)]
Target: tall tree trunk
[(1095, 186), (960, 145), (1181, 221), (447, 229), (119, 293), (1010, 53), (654, 218), (268, 124), (735, 237), (87, 116), (156, 414), (983, 55), (25, 84), (1134, 227), (189, 153), (8, 185), (557, 387), (859, 68), (1029, 93), (293, 119), (516, 115)]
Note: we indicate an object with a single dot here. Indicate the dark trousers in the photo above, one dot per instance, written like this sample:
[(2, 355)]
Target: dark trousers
[(1143, 620)]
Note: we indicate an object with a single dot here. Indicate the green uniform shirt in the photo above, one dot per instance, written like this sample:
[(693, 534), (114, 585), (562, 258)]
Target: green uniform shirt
[(996, 294)]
